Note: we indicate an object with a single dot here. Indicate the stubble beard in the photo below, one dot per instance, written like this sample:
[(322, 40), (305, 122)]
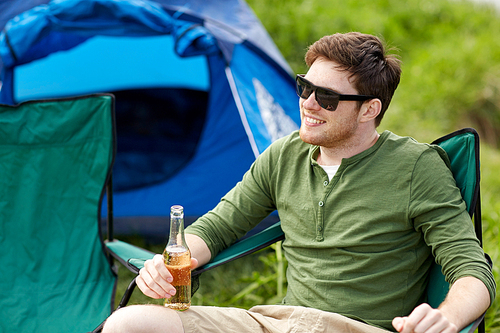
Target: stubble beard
[(339, 136)]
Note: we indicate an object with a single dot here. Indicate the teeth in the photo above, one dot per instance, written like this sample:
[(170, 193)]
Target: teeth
[(314, 121)]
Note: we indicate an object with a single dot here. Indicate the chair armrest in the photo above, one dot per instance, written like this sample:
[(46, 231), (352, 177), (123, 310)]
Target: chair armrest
[(125, 252), (468, 329), (239, 249), (244, 247)]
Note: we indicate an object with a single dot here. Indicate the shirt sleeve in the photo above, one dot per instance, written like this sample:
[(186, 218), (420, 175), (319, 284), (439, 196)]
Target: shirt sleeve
[(439, 212)]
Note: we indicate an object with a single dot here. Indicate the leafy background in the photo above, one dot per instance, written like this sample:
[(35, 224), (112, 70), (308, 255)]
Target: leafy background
[(451, 79)]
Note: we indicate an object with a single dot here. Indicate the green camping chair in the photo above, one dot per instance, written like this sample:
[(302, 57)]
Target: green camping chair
[(56, 156), (463, 150)]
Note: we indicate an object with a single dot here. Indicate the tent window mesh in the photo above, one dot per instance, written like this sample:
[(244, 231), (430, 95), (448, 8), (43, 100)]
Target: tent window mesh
[(157, 134)]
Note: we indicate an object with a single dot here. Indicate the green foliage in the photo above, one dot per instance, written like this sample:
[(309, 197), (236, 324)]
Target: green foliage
[(490, 204), (449, 49)]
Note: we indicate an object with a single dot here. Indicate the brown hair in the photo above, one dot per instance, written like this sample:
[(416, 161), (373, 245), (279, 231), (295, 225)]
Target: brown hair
[(363, 56)]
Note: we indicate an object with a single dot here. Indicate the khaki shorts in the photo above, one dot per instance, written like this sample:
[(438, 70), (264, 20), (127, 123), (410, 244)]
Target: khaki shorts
[(270, 319)]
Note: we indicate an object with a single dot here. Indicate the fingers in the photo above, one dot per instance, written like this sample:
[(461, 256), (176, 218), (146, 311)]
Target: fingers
[(154, 279), (424, 319), (415, 319), (432, 321), (398, 323)]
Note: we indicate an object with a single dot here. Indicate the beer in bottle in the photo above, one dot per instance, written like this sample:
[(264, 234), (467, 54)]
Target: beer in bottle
[(178, 261)]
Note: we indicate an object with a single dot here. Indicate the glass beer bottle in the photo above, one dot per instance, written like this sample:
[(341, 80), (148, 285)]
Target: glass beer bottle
[(177, 258)]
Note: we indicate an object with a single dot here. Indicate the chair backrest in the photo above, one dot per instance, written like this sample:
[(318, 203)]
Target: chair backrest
[(462, 148), (55, 158)]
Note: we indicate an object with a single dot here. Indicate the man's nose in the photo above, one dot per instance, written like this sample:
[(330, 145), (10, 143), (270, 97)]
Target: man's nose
[(310, 103)]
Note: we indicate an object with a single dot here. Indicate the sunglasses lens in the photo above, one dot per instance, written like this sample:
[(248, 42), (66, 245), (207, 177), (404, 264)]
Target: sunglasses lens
[(327, 99), (304, 89)]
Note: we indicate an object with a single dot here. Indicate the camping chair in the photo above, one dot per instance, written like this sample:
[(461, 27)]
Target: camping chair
[(56, 156), (462, 148)]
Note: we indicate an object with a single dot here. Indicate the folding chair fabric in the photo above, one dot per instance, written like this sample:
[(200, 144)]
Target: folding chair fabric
[(55, 157), (462, 147)]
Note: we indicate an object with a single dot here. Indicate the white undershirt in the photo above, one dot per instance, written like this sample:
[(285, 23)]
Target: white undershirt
[(330, 170)]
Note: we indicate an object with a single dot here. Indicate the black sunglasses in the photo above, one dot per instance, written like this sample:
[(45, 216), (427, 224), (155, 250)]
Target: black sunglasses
[(326, 98)]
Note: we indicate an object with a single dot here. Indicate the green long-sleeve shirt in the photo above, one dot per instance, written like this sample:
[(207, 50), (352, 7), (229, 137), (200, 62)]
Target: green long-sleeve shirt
[(360, 245)]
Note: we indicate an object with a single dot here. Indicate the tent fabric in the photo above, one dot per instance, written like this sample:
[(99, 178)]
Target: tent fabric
[(128, 19), (63, 25), (234, 15), (55, 157), (201, 89)]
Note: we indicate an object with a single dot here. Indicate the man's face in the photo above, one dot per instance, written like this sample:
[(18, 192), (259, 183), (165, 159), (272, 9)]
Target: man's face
[(329, 129)]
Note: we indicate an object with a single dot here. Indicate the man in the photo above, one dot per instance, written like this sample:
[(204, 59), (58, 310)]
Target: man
[(364, 214)]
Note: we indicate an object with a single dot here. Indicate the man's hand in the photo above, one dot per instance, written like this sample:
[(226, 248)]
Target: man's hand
[(424, 319), (155, 280), (467, 299)]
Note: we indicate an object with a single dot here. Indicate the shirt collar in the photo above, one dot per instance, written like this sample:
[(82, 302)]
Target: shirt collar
[(314, 151)]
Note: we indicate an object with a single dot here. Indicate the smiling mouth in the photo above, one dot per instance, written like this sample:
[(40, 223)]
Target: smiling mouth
[(314, 121)]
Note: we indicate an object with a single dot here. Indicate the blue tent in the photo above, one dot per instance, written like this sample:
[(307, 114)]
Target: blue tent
[(200, 87)]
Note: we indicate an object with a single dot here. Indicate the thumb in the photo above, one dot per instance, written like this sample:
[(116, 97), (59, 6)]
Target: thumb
[(398, 323), (194, 263)]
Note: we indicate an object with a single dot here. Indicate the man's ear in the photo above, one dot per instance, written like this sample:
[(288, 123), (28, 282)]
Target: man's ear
[(370, 110)]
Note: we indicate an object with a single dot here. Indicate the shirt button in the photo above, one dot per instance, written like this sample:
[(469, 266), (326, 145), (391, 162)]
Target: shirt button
[(321, 203), (320, 228), (325, 183)]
